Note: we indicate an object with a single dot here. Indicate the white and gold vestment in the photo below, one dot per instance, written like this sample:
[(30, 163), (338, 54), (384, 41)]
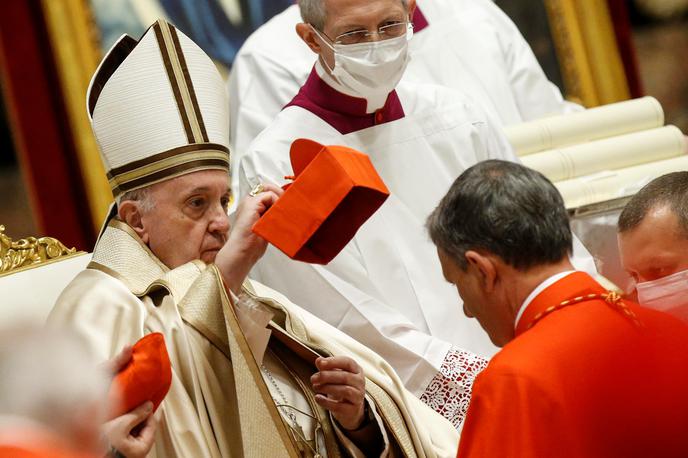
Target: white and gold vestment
[(219, 404)]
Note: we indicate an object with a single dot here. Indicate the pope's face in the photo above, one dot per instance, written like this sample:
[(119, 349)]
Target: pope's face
[(345, 16), (189, 219), (485, 306), (655, 248)]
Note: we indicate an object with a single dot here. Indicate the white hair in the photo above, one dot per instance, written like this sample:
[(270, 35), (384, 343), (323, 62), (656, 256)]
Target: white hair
[(313, 12), (50, 377), (142, 195)]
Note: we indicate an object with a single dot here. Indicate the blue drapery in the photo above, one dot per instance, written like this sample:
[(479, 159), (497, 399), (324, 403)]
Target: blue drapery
[(205, 22)]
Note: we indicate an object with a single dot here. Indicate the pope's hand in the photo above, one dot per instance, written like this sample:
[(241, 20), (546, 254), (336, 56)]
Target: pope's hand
[(340, 388), (244, 248)]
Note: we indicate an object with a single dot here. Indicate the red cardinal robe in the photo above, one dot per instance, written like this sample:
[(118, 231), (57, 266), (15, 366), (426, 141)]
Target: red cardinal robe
[(583, 381)]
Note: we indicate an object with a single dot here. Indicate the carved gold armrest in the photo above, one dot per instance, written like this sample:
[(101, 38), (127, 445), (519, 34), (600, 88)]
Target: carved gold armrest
[(30, 252)]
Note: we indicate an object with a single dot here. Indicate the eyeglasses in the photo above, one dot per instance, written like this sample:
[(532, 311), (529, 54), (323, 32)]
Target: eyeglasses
[(385, 32)]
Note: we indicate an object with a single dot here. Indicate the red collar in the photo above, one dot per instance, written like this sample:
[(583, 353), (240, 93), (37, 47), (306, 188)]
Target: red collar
[(419, 20), (573, 285), (345, 113)]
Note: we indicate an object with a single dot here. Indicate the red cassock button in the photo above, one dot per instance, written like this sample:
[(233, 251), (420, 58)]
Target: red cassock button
[(378, 117)]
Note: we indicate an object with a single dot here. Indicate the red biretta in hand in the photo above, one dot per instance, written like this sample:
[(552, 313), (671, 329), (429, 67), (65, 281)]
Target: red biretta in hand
[(147, 376), (335, 190)]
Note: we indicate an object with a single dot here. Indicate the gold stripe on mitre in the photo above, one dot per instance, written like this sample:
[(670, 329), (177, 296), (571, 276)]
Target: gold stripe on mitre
[(166, 165), (180, 80)]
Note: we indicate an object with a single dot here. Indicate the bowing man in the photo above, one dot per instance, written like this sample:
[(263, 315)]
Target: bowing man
[(581, 373)]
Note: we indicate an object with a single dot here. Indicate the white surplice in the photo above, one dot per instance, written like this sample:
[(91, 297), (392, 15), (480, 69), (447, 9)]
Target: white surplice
[(386, 288), (469, 45)]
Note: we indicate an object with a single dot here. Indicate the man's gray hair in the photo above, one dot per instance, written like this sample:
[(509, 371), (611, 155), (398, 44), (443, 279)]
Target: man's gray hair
[(504, 209), (668, 190), (314, 12), (49, 376), (142, 196)]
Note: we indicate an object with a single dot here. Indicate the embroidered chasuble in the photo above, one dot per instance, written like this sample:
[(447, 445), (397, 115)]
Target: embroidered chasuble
[(222, 402)]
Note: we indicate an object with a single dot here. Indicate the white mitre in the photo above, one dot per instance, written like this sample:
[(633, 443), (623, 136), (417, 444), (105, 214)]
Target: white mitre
[(158, 109)]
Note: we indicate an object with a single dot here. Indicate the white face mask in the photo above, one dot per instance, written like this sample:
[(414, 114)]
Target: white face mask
[(667, 294), (373, 69)]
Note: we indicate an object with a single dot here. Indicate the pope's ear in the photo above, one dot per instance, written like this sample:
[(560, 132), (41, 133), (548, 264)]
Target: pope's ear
[(484, 267), (305, 31), (129, 212)]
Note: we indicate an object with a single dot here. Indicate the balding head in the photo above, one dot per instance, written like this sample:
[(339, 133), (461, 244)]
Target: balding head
[(314, 12)]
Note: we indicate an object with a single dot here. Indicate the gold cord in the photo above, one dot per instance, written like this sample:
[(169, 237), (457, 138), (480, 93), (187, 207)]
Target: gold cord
[(612, 298)]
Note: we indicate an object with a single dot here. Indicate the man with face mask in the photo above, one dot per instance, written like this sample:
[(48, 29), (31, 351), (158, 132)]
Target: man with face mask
[(385, 288), (469, 45), (581, 373), (653, 243)]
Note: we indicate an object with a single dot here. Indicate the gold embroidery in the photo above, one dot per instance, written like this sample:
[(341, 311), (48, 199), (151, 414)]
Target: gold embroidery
[(139, 163), (184, 90), (171, 163), (386, 406)]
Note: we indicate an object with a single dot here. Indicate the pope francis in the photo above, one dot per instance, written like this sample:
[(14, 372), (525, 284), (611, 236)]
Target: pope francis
[(253, 374)]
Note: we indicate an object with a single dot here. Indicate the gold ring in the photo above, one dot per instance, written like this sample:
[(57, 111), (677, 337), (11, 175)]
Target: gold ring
[(257, 189)]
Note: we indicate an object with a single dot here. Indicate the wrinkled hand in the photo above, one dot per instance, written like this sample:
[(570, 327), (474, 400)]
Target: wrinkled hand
[(340, 388), (244, 248), (133, 434)]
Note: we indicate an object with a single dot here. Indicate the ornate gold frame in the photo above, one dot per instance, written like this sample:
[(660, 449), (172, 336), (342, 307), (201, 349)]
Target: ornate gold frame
[(588, 52), (23, 254), (74, 38)]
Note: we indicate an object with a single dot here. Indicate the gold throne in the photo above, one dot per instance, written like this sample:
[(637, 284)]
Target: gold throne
[(33, 273)]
